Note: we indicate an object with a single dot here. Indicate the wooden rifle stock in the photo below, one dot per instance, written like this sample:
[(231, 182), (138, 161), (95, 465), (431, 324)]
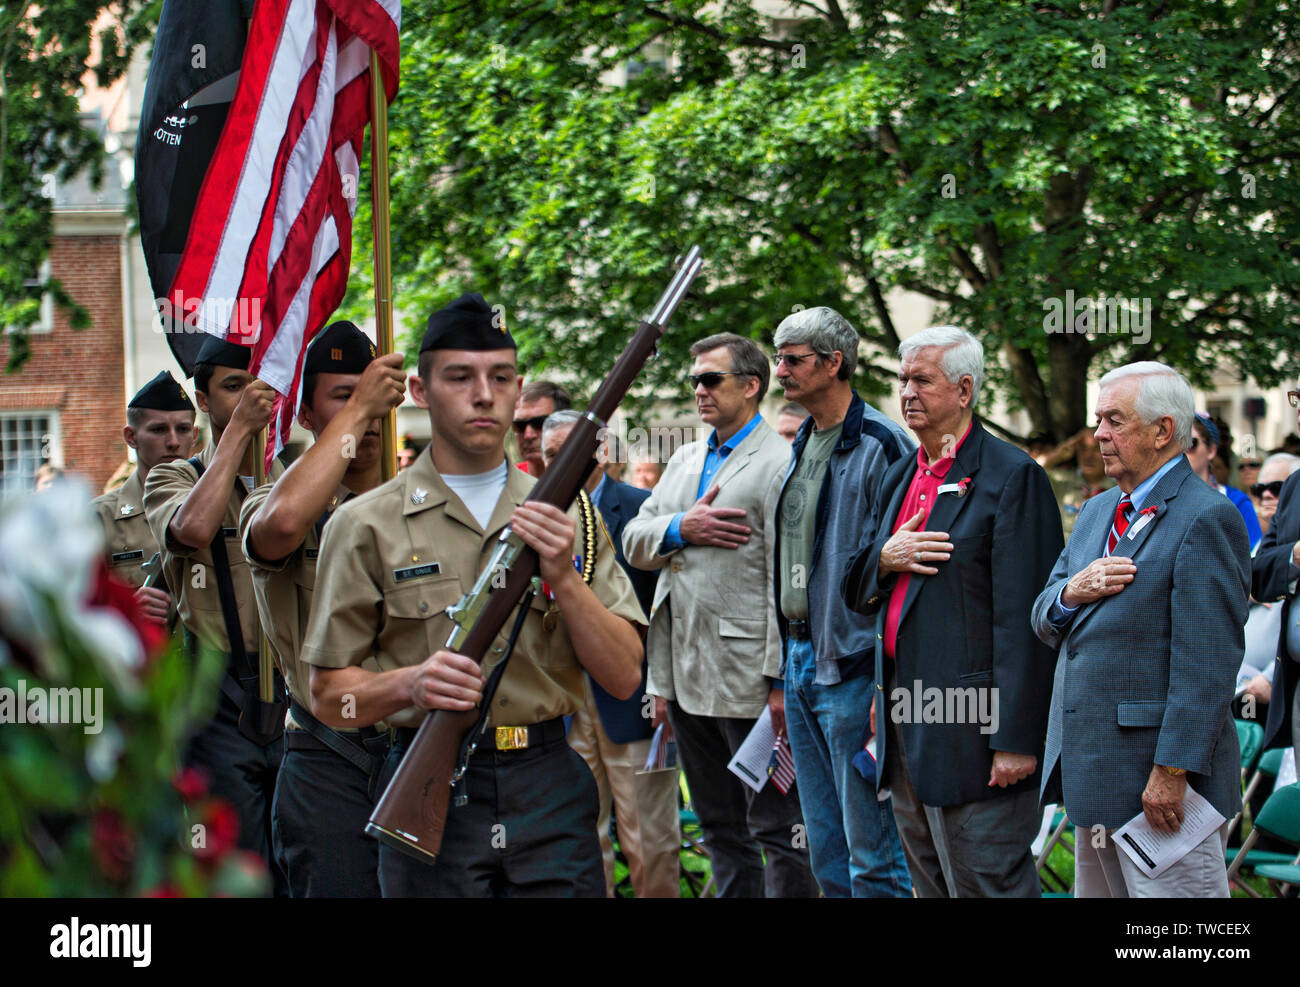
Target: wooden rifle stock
[(412, 811)]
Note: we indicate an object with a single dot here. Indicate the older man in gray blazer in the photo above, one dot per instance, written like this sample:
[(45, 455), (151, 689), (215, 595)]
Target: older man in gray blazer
[(1146, 605), (713, 648)]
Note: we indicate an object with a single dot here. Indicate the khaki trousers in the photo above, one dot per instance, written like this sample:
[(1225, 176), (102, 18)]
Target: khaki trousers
[(645, 805)]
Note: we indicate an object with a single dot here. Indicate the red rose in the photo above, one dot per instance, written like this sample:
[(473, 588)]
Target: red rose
[(113, 594), (191, 783), (220, 829), (110, 842)]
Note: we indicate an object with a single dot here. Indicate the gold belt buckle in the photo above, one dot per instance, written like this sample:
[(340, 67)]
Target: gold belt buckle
[(512, 738)]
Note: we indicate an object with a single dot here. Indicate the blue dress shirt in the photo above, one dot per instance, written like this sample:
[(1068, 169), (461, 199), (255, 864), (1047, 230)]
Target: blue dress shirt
[(673, 539)]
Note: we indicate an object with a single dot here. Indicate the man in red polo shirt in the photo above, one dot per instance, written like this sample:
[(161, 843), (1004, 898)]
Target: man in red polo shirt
[(970, 532)]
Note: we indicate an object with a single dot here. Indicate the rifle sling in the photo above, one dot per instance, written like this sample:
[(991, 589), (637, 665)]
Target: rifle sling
[(335, 741), (226, 591), (490, 690)]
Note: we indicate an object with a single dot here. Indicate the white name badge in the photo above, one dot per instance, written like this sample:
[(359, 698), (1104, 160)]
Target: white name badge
[(949, 488), (1141, 523)]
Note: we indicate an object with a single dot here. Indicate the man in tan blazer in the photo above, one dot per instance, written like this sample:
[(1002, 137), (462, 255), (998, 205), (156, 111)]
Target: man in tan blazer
[(714, 650)]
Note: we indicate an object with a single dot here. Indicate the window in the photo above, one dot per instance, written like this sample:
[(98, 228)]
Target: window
[(46, 323), (653, 57), (27, 439)]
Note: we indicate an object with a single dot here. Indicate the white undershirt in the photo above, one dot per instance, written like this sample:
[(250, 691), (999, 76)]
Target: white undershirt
[(479, 491)]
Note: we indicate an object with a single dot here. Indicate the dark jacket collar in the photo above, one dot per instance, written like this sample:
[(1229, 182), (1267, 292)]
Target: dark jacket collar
[(850, 436)]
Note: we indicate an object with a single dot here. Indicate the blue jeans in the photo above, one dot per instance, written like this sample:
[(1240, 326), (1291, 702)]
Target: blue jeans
[(854, 843)]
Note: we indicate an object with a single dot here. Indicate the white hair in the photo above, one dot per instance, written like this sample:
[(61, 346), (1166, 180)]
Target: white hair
[(566, 418), (963, 354), (1291, 462), (1162, 391)]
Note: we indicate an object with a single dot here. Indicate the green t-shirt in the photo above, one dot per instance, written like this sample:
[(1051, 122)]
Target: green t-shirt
[(798, 519)]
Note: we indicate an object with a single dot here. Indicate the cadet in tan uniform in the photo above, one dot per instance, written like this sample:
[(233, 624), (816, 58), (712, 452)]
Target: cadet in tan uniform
[(193, 510), (395, 558), (323, 792), (160, 428)]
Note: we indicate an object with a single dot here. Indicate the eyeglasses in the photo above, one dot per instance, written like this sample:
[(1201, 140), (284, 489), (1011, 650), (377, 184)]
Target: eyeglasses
[(713, 378), (1294, 398), (1259, 489), (523, 424), (791, 360)]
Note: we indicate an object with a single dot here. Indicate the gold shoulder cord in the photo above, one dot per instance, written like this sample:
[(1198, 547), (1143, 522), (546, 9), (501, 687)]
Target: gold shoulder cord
[(551, 618), (588, 512)]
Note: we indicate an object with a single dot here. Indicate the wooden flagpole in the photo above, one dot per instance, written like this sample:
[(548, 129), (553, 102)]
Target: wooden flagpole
[(265, 662), (379, 228)]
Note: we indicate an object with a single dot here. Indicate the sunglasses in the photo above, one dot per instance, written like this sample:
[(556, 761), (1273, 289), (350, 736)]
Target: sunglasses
[(1250, 464), (1259, 489), (791, 360), (1195, 441), (522, 425), (713, 378)]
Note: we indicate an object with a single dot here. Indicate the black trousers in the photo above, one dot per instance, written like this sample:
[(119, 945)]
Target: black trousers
[(528, 830), (243, 774), (318, 821), (741, 827)]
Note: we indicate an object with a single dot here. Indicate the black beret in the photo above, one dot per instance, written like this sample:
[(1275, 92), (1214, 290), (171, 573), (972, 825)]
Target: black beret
[(217, 352), (340, 348), (468, 323), (162, 394)]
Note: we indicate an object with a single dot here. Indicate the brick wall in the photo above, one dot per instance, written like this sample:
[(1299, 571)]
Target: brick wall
[(79, 373)]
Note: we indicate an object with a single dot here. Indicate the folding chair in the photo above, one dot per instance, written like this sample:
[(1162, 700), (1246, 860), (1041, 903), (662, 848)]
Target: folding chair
[(692, 844), (1250, 738), (1280, 817), (1053, 884)]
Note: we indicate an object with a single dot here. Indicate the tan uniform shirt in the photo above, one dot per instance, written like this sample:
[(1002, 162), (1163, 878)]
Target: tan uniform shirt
[(283, 590), (396, 558), (128, 542), (189, 571)]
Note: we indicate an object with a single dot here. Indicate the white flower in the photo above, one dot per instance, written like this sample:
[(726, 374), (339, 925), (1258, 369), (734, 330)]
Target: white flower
[(50, 545), (103, 752)]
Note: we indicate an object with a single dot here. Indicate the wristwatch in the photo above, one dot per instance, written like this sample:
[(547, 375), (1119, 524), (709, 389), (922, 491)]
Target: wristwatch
[(1173, 772)]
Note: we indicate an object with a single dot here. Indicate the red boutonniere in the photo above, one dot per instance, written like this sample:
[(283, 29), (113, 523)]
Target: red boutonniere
[(963, 486), (1153, 509)]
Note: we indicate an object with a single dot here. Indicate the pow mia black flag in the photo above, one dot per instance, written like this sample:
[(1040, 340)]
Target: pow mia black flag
[(192, 75)]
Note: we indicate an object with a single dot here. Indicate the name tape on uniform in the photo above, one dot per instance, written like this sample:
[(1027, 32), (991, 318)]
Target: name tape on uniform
[(416, 571)]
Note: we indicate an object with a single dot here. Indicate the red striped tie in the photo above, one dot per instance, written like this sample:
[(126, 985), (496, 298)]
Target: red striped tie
[(1121, 523)]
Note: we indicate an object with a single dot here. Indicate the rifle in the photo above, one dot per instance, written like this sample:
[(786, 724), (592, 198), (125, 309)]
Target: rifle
[(412, 811), (152, 569)]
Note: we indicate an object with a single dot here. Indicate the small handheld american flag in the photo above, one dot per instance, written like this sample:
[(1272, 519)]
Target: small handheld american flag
[(781, 767)]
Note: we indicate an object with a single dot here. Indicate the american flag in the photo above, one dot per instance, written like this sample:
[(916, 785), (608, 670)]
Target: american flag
[(781, 768), (271, 240)]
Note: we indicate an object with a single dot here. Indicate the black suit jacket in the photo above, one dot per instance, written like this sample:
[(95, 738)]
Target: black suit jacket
[(1270, 580), (624, 720), (969, 625)]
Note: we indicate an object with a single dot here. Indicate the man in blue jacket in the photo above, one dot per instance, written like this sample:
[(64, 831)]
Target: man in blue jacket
[(840, 455)]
